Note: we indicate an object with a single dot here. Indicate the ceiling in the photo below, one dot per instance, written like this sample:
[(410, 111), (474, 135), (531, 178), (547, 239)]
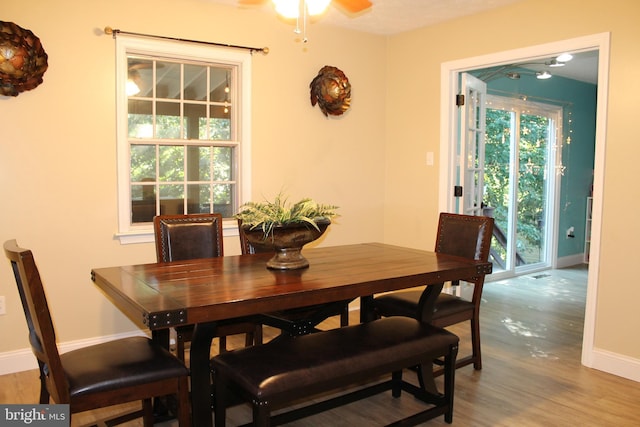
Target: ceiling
[(387, 17), (583, 67)]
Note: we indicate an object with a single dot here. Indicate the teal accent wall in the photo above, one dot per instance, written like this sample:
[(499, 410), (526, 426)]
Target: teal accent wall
[(579, 101)]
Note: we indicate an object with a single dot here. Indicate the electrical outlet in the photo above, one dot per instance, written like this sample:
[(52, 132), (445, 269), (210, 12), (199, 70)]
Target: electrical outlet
[(3, 305)]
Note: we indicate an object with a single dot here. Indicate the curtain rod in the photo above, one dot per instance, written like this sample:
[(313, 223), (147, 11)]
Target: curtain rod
[(115, 32)]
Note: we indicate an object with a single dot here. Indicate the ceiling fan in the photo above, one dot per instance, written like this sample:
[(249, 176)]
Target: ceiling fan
[(300, 9), (351, 6)]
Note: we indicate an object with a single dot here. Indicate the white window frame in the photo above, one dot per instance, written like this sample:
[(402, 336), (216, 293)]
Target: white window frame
[(135, 233)]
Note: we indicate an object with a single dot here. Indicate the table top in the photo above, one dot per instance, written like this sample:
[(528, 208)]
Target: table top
[(163, 295)]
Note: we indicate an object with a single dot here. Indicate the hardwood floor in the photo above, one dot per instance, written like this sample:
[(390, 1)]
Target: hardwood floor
[(532, 376)]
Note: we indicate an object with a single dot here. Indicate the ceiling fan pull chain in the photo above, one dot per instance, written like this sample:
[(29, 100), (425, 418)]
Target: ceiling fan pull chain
[(297, 29), (304, 21)]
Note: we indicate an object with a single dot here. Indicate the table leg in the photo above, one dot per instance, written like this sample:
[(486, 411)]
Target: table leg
[(427, 302), (426, 307), (201, 403), (366, 311), (161, 406)]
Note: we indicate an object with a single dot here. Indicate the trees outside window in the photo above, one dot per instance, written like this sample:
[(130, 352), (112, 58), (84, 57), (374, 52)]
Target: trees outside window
[(519, 164)]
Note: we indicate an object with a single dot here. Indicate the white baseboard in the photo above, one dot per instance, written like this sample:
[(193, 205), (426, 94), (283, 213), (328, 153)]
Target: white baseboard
[(616, 364), (569, 261), (24, 360)]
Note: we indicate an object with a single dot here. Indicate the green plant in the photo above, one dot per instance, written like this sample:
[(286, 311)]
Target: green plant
[(267, 215)]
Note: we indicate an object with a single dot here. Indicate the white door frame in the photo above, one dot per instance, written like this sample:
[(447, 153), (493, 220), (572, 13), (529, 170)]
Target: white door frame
[(450, 72)]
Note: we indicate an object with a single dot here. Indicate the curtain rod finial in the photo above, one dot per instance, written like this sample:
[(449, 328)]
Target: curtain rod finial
[(109, 31), (265, 50)]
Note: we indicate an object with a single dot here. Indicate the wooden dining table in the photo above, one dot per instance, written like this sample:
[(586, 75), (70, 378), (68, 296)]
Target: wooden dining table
[(200, 292)]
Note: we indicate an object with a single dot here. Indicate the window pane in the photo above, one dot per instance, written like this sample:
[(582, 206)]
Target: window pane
[(194, 116), (143, 203), (223, 163), (140, 119), (223, 202), (220, 84), (168, 120), (143, 163), (199, 198), (144, 192), (139, 77), (220, 123), (195, 82), (171, 163), (199, 163), (168, 83), (171, 199)]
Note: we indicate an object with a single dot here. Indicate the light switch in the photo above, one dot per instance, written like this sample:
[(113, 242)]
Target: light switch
[(429, 158)]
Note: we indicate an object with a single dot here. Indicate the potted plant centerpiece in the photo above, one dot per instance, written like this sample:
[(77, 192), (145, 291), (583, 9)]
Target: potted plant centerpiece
[(285, 228)]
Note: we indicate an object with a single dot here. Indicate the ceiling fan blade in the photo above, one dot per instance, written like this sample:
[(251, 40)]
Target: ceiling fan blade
[(354, 6)]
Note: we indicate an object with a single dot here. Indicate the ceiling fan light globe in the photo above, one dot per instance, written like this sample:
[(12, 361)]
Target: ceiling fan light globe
[(287, 8)]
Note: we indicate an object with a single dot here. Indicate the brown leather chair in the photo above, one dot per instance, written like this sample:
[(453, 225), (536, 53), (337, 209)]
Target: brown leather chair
[(186, 237), (461, 235), (100, 375), (297, 321)]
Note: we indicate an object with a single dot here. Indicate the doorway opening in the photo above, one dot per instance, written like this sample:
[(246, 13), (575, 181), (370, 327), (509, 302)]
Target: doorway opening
[(451, 72)]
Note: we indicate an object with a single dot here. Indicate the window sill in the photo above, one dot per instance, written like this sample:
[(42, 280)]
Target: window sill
[(145, 235)]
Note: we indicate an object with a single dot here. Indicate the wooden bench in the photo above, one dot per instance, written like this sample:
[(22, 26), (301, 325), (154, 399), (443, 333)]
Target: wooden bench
[(287, 370)]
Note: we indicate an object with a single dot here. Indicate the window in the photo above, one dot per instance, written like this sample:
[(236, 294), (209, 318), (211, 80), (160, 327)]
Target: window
[(183, 132)]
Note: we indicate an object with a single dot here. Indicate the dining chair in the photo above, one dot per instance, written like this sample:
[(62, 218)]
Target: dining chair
[(297, 321), (194, 236), (100, 375), (460, 235)]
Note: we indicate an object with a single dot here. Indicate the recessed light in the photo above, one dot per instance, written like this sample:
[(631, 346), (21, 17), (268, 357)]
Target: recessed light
[(565, 57)]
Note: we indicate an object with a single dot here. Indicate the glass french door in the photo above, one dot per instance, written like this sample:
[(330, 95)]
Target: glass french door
[(471, 148), (521, 166)]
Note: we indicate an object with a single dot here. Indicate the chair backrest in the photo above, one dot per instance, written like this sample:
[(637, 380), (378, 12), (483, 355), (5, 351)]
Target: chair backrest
[(466, 236), (183, 237), (248, 248), (36, 310)]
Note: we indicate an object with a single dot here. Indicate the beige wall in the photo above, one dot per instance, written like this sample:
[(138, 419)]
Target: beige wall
[(57, 144), (413, 128)]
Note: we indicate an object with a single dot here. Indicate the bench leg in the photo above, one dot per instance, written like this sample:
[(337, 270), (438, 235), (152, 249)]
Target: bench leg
[(449, 381), (261, 414), (396, 383), (220, 404)]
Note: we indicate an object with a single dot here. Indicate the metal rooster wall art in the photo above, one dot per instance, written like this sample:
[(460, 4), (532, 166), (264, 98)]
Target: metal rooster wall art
[(331, 90)]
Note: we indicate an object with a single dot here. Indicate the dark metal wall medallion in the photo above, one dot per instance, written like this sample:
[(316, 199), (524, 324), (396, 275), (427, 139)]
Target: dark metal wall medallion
[(331, 90), (23, 61)]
